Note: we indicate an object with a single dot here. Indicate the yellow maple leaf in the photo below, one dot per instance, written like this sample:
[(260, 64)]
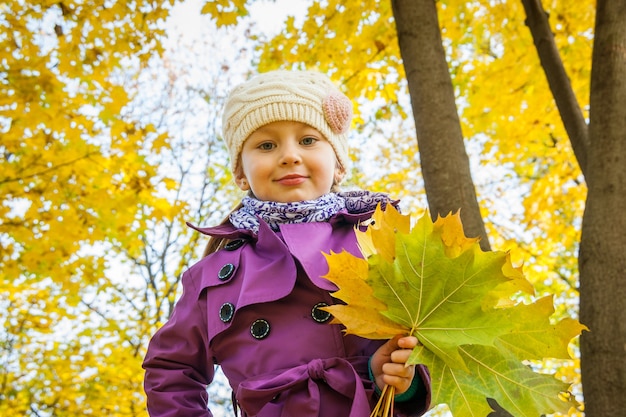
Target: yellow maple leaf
[(372, 240), (453, 238), (352, 272)]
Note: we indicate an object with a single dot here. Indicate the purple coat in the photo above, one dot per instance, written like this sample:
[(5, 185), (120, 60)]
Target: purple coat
[(252, 308)]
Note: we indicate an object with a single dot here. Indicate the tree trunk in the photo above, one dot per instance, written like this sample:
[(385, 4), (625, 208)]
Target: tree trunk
[(444, 161), (602, 258)]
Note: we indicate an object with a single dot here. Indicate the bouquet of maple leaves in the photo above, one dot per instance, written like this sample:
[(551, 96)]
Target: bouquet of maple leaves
[(432, 282)]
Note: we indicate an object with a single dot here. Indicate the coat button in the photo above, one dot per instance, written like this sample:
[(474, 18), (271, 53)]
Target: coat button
[(227, 311), (226, 272), (260, 329), (319, 315), (234, 244)]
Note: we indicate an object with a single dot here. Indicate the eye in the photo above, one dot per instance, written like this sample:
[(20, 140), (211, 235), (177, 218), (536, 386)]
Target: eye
[(309, 140), (266, 146)]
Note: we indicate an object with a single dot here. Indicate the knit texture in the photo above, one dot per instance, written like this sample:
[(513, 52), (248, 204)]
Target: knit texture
[(298, 96)]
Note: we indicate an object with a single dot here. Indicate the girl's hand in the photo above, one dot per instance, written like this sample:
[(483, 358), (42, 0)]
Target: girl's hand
[(389, 363)]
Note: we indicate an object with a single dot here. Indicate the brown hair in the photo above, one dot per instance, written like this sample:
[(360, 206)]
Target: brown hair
[(217, 243)]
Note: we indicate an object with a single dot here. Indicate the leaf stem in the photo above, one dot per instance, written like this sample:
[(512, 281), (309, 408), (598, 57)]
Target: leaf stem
[(384, 406)]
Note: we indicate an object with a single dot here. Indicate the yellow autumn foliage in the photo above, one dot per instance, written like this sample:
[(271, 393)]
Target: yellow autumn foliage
[(79, 180)]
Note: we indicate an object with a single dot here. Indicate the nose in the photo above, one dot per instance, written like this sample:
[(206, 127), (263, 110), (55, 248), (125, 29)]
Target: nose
[(290, 154)]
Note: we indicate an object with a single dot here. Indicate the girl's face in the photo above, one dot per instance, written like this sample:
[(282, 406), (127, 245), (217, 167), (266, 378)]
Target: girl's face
[(287, 162)]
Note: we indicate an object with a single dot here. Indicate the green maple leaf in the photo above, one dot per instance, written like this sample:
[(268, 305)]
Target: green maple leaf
[(432, 282)]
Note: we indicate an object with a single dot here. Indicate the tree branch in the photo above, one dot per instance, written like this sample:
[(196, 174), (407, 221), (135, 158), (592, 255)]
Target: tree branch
[(569, 109), (45, 171)]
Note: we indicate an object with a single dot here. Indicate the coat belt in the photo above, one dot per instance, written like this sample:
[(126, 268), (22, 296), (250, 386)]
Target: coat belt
[(304, 383)]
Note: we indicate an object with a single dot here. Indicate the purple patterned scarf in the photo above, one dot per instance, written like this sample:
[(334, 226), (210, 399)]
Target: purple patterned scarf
[(320, 210)]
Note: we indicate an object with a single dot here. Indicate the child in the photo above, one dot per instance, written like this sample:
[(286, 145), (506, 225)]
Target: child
[(253, 304)]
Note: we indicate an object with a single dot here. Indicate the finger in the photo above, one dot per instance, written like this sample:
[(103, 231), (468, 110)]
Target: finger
[(400, 355), (401, 383), (399, 370), (408, 342)]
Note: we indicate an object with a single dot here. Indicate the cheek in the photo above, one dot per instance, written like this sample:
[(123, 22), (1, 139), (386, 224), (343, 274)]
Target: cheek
[(330, 170), (248, 167)]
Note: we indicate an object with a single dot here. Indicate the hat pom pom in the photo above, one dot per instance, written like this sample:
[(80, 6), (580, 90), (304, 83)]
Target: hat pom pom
[(337, 112)]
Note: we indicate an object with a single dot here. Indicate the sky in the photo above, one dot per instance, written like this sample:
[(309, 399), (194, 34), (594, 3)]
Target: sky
[(268, 15)]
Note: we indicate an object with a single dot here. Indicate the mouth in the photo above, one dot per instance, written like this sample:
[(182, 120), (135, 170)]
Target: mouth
[(291, 179)]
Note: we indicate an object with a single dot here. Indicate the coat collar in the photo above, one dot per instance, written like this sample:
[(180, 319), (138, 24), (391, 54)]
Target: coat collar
[(228, 231)]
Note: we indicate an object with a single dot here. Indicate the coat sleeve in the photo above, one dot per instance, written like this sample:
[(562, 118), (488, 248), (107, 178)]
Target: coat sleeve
[(177, 365)]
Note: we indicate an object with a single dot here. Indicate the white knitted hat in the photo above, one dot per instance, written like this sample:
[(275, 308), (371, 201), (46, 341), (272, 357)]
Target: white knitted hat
[(298, 96)]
